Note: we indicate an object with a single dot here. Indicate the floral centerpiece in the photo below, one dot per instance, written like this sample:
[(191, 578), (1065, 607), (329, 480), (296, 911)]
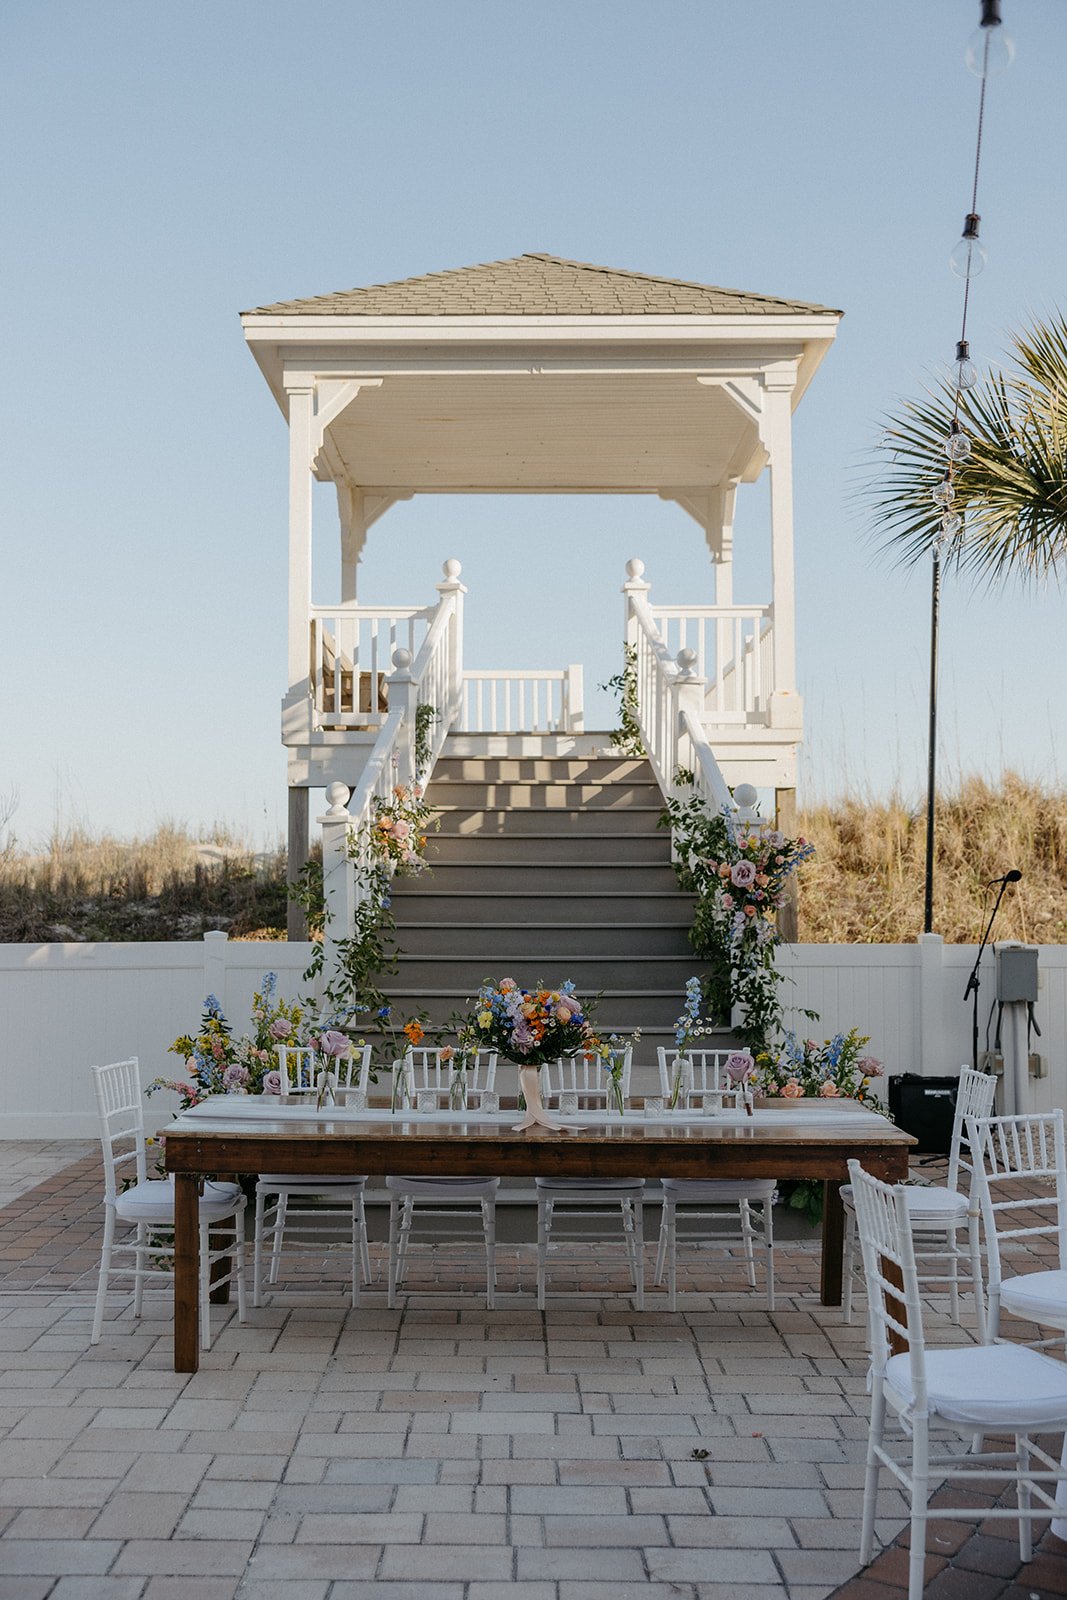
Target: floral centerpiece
[(836, 1069), (530, 1027)]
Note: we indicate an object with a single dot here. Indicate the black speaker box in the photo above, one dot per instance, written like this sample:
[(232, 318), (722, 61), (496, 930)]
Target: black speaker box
[(925, 1107)]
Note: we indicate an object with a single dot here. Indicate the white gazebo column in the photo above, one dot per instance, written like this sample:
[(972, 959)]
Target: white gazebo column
[(300, 432), (776, 432)]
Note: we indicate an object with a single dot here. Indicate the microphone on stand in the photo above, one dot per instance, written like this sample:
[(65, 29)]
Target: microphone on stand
[(971, 991)]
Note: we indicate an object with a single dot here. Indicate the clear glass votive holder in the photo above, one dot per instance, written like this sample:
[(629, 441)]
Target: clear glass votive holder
[(653, 1106), (356, 1099), (711, 1104), (426, 1102), (568, 1104), (490, 1101)]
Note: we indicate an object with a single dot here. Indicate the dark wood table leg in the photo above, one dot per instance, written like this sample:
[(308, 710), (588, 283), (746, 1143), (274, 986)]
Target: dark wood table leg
[(833, 1243), (186, 1272)]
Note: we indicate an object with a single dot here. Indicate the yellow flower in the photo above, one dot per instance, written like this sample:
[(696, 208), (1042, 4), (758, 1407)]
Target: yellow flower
[(484, 1018)]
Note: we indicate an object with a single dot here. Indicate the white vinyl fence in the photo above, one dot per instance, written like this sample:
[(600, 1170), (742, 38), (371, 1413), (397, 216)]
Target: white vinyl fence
[(64, 1007)]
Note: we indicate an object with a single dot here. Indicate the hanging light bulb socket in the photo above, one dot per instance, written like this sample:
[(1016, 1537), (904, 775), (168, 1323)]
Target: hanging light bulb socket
[(990, 50), (968, 258)]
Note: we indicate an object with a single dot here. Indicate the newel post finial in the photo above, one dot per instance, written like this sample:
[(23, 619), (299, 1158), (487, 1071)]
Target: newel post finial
[(635, 570), (337, 797)]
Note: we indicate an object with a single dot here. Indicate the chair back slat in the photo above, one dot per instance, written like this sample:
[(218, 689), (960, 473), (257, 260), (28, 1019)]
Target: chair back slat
[(117, 1088), (894, 1310), (585, 1076), (975, 1097), (424, 1069), (1010, 1151), (299, 1067)]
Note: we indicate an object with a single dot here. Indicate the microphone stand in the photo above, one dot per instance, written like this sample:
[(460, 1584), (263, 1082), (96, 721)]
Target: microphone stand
[(973, 981)]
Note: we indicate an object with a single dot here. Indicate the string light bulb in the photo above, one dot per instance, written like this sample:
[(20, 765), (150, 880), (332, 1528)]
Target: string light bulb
[(969, 257), (951, 523), (990, 50), (964, 372), (941, 493), (957, 445)]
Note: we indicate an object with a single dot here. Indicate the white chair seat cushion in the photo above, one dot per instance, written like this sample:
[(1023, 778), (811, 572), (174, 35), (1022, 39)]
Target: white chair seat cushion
[(1040, 1296), (590, 1185), (931, 1203), (445, 1188), (988, 1386), (153, 1201), (303, 1180), (724, 1189)]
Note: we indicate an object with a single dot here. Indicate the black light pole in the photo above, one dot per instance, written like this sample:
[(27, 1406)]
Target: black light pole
[(931, 767)]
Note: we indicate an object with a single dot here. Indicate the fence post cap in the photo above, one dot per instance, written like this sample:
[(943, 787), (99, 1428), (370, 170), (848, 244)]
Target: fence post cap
[(452, 569), (402, 659), (686, 660), (635, 568)]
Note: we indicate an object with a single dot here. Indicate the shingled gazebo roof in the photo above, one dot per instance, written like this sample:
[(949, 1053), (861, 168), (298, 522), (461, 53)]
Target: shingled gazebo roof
[(537, 285)]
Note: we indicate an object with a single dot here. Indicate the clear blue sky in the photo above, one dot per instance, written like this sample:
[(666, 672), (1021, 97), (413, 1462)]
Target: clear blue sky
[(167, 166)]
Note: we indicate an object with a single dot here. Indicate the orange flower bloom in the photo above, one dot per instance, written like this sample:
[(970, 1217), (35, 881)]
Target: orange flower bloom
[(414, 1031)]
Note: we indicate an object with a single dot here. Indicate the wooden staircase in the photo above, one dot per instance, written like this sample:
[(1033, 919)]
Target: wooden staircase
[(547, 868)]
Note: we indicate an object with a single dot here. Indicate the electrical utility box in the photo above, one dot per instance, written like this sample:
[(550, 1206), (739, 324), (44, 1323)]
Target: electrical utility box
[(1017, 974)]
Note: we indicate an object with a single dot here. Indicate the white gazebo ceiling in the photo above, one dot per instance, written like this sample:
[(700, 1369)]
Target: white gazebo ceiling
[(542, 432), (539, 374)]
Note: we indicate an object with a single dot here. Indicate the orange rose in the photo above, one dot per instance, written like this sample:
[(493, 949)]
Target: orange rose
[(792, 1090), (829, 1091)]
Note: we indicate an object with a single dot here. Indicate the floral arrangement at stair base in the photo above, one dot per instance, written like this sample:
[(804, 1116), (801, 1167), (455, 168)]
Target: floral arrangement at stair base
[(739, 875), (219, 1063), (801, 1069), (530, 1027), (835, 1069)]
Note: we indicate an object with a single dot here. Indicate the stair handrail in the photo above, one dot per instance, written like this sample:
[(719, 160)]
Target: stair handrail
[(669, 703), (348, 859)]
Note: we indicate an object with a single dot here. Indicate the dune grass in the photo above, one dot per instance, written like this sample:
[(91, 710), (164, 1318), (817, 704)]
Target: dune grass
[(172, 884), (864, 885)]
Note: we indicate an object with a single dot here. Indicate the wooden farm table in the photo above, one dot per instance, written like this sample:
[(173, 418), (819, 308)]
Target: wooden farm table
[(770, 1144)]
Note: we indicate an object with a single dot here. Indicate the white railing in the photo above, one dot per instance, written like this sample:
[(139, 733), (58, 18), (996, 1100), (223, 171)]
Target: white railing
[(433, 679), (522, 702), (352, 656), (732, 646), (669, 708)]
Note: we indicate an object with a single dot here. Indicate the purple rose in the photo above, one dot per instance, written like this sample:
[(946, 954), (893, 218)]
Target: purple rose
[(332, 1043), (870, 1066), (742, 874), (235, 1077), (739, 1066), (280, 1029), (272, 1083)]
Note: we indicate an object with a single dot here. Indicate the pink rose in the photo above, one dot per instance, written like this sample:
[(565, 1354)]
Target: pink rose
[(447, 1053), (728, 901), (563, 1014), (401, 828), (280, 1028), (870, 1066), (829, 1091), (742, 874), (792, 1090)]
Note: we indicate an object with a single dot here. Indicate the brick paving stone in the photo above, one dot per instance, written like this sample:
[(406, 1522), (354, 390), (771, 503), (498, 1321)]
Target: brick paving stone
[(444, 1452)]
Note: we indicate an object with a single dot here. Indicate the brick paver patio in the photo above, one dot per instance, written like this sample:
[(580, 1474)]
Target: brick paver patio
[(440, 1451)]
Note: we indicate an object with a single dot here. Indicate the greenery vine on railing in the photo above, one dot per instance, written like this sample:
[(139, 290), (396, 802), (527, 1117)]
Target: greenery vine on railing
[(397, 837), (627, 736), (738, 872)]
